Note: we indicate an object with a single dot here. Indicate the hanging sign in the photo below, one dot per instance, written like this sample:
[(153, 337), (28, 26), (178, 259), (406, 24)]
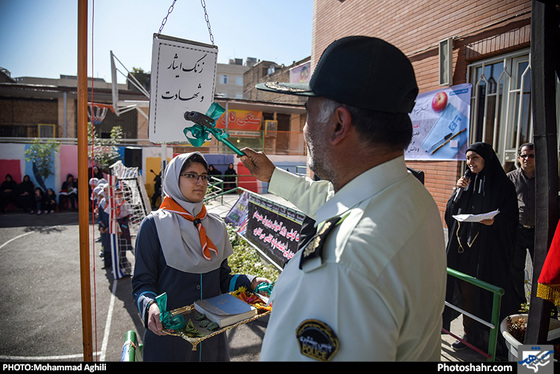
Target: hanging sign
[(440, 124), (183, 79)]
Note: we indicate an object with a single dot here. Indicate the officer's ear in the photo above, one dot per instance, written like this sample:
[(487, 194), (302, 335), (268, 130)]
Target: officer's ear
[(342, 126)]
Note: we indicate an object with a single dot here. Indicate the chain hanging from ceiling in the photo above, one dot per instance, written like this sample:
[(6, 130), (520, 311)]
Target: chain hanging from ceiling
[(206, 18)]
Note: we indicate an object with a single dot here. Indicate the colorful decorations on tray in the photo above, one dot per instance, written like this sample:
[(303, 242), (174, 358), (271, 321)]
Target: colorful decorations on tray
[(199, 327), (252, 298)]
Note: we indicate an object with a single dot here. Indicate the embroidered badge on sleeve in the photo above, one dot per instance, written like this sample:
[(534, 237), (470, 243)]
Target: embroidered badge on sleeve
[(317, 340)]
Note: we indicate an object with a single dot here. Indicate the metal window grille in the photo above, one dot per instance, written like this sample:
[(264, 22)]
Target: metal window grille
[(501, 103), (46, 131)]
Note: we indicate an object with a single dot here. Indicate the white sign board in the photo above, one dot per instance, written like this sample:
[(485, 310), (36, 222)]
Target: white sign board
[(183, 79), (440, 124)]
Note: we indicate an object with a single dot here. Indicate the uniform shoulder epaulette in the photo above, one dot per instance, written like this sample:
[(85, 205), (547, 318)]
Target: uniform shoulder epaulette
[(314, 249)]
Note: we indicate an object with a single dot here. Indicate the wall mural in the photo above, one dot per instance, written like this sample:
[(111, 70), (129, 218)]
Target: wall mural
[(12, 161)]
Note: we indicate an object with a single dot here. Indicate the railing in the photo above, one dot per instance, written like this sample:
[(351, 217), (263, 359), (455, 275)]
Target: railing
[(495, 318), (216, 186), (131, 347), (215, 189)]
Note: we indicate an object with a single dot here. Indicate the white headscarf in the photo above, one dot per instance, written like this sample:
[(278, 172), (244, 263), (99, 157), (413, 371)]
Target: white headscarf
[(179, 238)]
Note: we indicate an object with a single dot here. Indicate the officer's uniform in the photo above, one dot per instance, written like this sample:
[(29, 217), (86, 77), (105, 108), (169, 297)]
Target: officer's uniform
[(371, 286)]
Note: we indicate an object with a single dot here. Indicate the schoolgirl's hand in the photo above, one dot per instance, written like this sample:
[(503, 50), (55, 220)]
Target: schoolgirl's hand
[(257, 281), (154, 322)]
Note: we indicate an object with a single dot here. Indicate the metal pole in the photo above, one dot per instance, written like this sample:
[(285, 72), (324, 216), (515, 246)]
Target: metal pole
[(544, 52), (83, 199), (129, 347)]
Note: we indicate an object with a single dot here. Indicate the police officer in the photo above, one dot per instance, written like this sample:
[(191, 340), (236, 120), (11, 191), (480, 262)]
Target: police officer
[(371, 284)]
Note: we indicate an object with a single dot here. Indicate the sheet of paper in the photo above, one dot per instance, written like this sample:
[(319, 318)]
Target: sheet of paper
[(476, 217)]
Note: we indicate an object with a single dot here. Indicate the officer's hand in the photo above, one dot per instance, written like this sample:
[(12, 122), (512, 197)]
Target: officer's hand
[(258, 164)]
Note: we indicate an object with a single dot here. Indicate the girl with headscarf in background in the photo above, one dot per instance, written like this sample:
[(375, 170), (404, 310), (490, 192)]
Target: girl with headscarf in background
[(182, 250), (481, 249), (50, 200), (103, 223), (68, 192)]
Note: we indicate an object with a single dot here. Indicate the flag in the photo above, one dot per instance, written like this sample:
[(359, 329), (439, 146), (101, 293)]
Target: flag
[(548, 287)]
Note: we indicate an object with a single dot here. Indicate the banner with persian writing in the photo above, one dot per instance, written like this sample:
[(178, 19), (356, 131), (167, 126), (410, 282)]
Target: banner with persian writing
[(248, 120), (273, 228), (270, 226)]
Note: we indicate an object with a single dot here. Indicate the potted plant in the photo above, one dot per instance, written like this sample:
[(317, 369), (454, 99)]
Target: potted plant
[(513, 329)]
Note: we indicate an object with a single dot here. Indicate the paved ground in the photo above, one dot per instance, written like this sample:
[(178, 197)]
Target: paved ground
[(41, 298)]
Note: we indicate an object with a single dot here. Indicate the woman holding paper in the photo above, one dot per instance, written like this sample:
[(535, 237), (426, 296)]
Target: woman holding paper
[(481, 249), (182, 250)]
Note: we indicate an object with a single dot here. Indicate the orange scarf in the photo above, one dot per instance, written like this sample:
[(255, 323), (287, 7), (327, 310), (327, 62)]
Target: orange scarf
[(119, 207), (170, 205)]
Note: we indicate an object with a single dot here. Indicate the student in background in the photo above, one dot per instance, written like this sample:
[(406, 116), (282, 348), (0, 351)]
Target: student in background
[(39, 201), (50, 201), (68, 194)]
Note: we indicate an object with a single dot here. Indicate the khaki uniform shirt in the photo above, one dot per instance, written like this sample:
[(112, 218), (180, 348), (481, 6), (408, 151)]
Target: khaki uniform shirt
[(377, 290)]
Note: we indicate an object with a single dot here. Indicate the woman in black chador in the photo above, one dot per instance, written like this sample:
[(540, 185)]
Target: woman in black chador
[(481, 249), (26, 195), (8, 192)]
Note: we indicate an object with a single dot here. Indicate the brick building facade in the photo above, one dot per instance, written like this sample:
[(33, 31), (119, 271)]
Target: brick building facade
[(479, 30)]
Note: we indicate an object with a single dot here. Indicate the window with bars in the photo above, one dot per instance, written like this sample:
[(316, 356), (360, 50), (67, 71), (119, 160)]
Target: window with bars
[(46, 130), (501, 103)]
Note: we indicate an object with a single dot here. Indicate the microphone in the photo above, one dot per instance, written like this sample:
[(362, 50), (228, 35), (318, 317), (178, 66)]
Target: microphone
[(468, 175)]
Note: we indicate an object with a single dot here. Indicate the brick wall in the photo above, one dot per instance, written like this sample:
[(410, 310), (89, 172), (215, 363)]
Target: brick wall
[(258, 74), (28, 112), (480, 28)]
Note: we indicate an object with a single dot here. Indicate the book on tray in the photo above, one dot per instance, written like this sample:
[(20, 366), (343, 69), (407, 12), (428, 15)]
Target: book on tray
[(225, 309)]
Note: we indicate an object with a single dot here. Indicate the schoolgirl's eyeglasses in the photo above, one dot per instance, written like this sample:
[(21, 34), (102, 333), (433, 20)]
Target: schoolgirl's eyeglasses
[(194, 177)]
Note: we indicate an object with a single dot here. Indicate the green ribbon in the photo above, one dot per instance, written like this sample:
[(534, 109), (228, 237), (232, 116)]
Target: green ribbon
[(168, 320), (200, 134), (265, 287)]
